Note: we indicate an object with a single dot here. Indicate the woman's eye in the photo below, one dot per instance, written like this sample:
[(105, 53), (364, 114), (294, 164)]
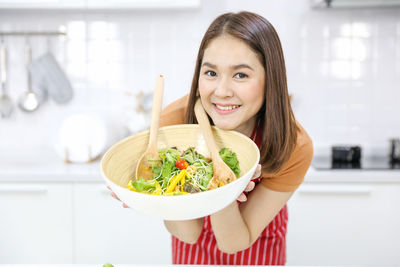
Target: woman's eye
[(240, 75), (211, 73)]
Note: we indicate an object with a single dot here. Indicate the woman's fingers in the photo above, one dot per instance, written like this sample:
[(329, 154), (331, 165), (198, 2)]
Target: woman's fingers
[(250, 186), (115, 196), (242, 198)]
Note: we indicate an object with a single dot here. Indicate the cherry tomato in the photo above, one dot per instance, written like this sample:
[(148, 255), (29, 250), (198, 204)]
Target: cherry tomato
[(181, 164)]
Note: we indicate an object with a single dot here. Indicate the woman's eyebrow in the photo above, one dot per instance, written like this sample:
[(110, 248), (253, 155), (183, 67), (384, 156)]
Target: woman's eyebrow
[(234, 67), (207, 64), (241, 66)]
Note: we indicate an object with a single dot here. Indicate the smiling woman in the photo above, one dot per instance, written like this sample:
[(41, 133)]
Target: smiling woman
[(240, 78)]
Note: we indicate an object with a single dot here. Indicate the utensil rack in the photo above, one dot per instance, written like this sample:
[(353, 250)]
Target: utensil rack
[(29, 33)]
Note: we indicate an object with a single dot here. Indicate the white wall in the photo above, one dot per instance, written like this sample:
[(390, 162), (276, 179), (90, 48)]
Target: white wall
[(343, 66)]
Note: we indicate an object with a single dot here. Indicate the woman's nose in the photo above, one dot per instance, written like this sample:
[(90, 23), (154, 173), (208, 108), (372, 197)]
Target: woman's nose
[(223, 88)]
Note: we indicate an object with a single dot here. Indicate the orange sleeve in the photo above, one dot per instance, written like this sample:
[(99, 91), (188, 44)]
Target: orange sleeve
[(175, 112), (294, 170)]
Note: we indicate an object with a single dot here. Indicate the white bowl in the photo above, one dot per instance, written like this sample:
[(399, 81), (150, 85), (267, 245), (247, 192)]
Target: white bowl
[(119, 163)]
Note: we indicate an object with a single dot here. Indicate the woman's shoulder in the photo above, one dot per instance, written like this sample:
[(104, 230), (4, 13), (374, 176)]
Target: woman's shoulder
[(303, 151), (175, 112)]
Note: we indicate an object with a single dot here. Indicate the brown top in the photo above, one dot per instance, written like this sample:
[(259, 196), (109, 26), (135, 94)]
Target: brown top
[(292, 172)]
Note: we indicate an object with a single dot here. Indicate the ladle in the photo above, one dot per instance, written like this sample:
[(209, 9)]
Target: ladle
[(6, 105), (222, 172), (143, 169), (28, 101)]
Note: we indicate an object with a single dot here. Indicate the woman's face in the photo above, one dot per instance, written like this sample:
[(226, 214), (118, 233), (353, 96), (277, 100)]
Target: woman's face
[(231, 84)]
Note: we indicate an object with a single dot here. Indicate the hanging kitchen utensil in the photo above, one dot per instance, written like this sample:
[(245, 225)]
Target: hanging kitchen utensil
[(38, 82), (6, 105), (29, 101), (48, 73)]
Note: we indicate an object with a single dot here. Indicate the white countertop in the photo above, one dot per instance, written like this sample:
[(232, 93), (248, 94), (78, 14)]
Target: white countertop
[(46, 166), (347, 175)]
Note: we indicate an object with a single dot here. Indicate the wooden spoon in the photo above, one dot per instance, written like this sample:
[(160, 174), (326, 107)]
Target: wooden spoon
[(143, 169), (222, 172)]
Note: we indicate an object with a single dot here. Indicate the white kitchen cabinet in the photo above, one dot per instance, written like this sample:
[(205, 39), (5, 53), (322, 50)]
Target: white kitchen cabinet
[(36, 223), (344, 224), (106, 232)]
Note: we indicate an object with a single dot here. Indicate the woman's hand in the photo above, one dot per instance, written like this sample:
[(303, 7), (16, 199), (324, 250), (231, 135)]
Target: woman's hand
[(250, 186), (115, 196)]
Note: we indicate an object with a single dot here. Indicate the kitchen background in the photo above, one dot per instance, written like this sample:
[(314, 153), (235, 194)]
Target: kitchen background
[(343, 66), (343, 69)]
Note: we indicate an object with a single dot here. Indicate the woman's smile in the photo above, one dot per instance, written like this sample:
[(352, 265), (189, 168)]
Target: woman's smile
[(225, 108)]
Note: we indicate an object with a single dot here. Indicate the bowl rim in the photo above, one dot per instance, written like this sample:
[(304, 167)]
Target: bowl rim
[(108, 181)]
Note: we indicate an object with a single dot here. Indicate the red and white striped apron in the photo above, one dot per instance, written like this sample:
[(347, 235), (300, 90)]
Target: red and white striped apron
[(269, 249)]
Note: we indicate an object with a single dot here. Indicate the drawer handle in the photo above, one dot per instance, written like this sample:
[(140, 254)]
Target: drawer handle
[(23, 189), (335, 189)]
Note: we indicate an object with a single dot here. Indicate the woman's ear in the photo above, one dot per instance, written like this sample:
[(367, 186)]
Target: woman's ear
[(197, 92)]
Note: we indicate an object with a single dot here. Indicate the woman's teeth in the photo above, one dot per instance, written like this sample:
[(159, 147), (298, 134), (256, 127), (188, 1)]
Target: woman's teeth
[(227, 107)]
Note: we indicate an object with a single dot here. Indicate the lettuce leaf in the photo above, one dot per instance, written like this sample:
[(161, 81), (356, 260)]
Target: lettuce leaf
[(163, 172), (191, 155), (144, 186), (230, 158)]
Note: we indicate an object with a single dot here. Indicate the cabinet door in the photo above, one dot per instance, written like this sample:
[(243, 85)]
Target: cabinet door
[(344, 224), (35, 224), (106, 232)]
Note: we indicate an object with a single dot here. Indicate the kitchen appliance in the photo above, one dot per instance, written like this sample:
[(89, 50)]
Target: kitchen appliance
[(349, 157), (346, 154), (395, 150)]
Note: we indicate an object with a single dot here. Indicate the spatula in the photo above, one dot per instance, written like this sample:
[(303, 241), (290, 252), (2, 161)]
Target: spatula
[(143, 169), (222, 172)]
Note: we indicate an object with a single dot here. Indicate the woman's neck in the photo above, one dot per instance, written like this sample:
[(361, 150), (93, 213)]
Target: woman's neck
[(248, 127)]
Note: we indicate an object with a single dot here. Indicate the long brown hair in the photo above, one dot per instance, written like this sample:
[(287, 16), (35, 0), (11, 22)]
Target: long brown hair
[(276, 115)]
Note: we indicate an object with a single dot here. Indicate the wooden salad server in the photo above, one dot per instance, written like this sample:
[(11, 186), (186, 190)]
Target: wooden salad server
[(222, 172), (143, 169)]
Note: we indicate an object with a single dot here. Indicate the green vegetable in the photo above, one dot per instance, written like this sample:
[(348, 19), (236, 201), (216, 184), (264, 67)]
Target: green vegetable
[(170, 154), (166, 168), (204, 173), (108, 265), (143, 185), (197, 178), (191, 155), (230, 159)]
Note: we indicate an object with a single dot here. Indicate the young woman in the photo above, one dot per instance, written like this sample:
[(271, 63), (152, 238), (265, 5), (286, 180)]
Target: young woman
[(240, 77)]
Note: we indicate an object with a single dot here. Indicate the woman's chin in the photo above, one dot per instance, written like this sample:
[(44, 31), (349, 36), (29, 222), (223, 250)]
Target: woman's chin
[(224, 126)]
